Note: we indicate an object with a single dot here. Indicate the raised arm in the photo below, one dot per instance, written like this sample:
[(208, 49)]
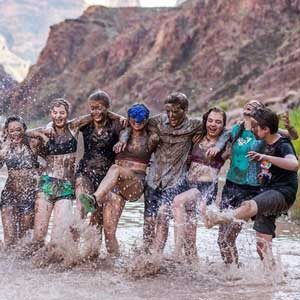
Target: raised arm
[(290, 131)]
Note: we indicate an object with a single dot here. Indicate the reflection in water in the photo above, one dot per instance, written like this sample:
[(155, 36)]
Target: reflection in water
[(207, 279)]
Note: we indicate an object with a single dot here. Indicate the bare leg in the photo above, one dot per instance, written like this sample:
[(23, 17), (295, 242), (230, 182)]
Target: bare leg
[(63, 211), (26, 223), (185, 227), (82, 186), (264, 245), (228, 234), (149, 232), (247, 210), (162, 227), (43, 210), (111, 214), (190, 247), (9, 222), (114, 174)]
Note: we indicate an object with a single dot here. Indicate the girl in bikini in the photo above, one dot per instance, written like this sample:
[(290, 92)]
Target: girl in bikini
[(124, 179), (202, 180), (19, 153)]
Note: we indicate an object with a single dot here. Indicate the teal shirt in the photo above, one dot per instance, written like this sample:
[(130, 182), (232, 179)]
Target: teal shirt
[(242, 170)]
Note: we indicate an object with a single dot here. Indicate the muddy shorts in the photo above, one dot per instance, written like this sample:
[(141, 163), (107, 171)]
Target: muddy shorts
[(270, 204), (154, 198), (23, 201), (132, 188), (234, 194), (91, 175), (55, 189), (208, 190)]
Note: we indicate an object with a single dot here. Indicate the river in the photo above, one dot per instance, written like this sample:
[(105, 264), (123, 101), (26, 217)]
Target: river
[(207, 280)]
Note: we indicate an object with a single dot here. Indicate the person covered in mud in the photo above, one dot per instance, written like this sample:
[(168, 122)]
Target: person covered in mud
[(242, 177), (278, 177), (20, 155), (167, 174), (202, 182), (125, 178), (99, 137)]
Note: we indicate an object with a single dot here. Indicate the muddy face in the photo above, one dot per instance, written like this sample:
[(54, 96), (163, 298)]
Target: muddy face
[(137, 126), (214, 124), (59, 116), (98, 110), (175, 113), (15, 132)]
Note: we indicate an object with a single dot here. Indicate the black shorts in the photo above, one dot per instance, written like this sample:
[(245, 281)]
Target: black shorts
[(208, 190), (154, 198), (234, 194), (92, 176), (270, 205)]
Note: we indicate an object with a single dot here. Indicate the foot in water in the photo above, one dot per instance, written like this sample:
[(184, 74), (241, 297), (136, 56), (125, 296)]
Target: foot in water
[(213, 216), (88, 202)]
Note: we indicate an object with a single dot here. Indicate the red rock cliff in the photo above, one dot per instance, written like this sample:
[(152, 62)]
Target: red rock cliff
[(210, 50)]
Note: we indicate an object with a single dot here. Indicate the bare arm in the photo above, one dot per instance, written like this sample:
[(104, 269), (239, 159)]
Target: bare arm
[(289, 162), (76, 123), (290, 131)]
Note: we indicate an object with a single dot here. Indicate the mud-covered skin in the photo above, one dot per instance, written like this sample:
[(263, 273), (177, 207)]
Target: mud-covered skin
[(98, 150), (23, 171)]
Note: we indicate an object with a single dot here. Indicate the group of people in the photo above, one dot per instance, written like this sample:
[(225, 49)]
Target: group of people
[(170, 158)]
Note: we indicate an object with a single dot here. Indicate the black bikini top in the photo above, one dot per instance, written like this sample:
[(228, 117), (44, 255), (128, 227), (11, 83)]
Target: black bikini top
[(25, 159), (56, 147)]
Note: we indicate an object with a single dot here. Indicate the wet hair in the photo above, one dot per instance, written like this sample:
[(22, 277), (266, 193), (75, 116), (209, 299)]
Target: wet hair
[(15, 119), (178, 98), (266, 118), (101, 96), (139, 112), (205, 117), (60, 102)]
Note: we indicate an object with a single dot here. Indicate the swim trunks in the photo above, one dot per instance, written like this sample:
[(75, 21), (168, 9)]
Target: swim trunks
[(56, 189)]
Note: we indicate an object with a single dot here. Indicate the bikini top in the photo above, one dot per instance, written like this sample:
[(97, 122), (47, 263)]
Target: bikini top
[(25, 159), (137, 151), (56, 147), (198, 155)]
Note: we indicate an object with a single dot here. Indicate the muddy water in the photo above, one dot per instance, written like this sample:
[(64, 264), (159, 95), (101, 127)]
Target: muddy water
[(208, 279)]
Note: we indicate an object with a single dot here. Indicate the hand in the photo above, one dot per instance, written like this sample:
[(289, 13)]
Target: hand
[(286, 120), (119, 147), (256, 156), (49, 132), (197, 139), (212, 152), (123, 122)]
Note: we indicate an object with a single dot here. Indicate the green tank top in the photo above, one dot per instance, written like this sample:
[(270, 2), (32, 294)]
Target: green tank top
[(242, 170)]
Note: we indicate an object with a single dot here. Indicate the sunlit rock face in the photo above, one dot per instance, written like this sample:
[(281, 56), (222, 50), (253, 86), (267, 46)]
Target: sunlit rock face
[(213, 51)]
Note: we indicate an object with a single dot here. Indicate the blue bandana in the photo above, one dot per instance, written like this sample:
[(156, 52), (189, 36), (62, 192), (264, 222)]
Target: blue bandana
[(139, 112)]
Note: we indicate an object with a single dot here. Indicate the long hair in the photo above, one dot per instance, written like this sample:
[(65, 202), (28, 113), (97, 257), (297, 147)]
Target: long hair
[(205, 117)]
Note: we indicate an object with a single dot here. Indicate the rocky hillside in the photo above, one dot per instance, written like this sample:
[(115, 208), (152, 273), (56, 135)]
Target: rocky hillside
[(213, 51)]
